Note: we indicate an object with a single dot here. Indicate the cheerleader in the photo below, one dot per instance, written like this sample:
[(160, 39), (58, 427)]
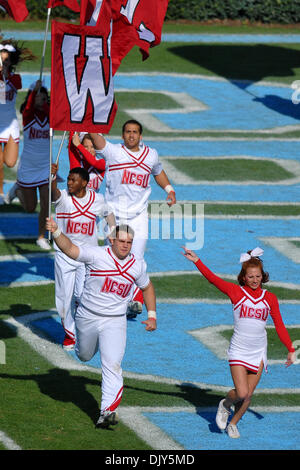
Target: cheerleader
[(82, 153), (247, 352), (33, 169), (11, 54)]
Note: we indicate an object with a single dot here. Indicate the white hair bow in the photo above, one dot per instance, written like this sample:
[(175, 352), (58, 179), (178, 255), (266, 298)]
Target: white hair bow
[(256, 252), (7, 47)]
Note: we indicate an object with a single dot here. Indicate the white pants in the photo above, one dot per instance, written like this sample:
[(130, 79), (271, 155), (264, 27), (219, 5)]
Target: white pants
[(108, 335), (69, 281)]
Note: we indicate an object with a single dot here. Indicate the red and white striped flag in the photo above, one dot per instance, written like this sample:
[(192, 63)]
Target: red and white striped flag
[(82, 92), (15, 8), (72, 4)]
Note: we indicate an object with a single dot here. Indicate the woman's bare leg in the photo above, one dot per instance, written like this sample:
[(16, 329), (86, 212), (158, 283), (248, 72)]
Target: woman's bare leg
[(28, 198), (10, 153), (245, 383)]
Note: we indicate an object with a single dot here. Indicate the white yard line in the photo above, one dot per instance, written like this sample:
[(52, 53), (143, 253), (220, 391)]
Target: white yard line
[(287, 285), (53, 353), (133, 418), (8, 442)]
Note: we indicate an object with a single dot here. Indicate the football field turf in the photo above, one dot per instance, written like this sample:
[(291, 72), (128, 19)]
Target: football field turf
[(227, 133)]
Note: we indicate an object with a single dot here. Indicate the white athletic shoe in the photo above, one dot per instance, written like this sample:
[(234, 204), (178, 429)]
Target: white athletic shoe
[(222, 415), (106, 419), (43, 243), (233, 431), (11, 195)]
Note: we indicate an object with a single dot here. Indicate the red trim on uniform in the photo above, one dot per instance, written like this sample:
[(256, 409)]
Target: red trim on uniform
[(254, 300), (238, 362), (68, 333), (138, 296), (120, 271), (138, 162), (4, 141), (239, 303), (34, 184), (81, 210), (116, 402)]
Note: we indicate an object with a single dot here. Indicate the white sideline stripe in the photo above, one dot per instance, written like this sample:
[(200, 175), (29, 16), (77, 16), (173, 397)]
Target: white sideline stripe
[(133, 418), (287, 285), (8, 442), (47, 254), (192, 409), (61, 359)]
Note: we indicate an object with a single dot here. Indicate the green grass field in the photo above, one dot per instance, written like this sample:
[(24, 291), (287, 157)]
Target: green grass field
[(49, 408)]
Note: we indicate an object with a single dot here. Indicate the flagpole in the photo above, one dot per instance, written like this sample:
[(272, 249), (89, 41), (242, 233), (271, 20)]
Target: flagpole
[(60, 147), (45, 43), (50, 177)]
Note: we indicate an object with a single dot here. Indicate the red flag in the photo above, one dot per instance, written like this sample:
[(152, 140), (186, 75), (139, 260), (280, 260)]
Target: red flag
[(72, 4), (135, 23), (82, 94), (89, 11), (15, 8)]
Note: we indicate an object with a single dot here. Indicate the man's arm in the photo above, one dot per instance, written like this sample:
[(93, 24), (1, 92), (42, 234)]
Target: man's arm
[(55, 192), (98, 140), (150, 302), (62, 241), (163, 181)]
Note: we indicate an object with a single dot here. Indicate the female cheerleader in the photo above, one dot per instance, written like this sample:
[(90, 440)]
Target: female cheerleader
[(82, 153), (33, 169), (11, 54), (248, 345)]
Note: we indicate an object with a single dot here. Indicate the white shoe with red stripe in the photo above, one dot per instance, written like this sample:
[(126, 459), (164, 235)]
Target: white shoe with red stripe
[(69, 343)]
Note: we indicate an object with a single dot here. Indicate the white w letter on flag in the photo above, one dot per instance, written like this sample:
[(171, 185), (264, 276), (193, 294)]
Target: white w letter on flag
[(82, 91), (90, 84)]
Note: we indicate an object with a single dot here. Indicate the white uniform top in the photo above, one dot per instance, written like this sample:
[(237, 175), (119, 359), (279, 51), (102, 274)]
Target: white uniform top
[(248, 345), (8, 118), (109, 280), (77, 217), (33, 169), (128, 178), (250, 315)]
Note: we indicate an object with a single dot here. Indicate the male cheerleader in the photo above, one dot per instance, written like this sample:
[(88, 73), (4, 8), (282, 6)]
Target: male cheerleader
[(101, 316), (77, 210), (128, 169)]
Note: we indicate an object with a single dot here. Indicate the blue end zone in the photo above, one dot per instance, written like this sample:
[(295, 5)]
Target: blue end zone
[(198, 431)]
